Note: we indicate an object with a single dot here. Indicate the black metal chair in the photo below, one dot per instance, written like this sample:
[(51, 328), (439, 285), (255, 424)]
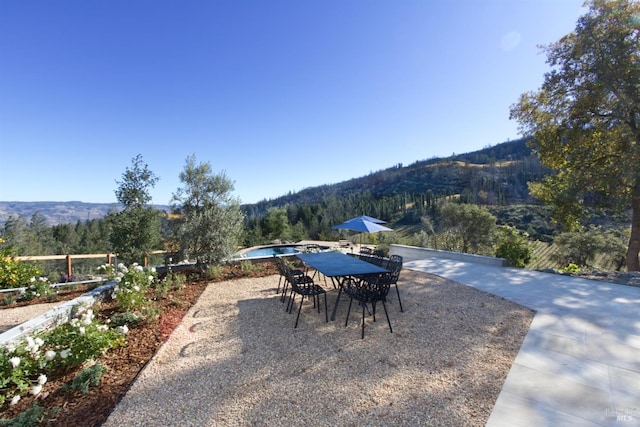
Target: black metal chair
[(305, 287), (282, 267), (395, 266), (368, 290)]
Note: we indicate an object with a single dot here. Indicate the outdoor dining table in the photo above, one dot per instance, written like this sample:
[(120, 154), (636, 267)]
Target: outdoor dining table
[(338, 267)]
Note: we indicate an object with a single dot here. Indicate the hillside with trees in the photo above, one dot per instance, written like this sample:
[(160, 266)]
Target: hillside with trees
[(418, 201), (497, 175)]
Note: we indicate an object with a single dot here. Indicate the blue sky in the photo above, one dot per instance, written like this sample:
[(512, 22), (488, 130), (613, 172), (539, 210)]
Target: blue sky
[(279, 95)]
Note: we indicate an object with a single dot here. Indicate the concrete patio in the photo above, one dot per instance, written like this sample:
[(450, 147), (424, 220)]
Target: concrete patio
[(579, 364)]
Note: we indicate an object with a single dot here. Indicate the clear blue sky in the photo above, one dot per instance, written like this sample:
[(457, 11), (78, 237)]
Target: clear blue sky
[(280, 95)]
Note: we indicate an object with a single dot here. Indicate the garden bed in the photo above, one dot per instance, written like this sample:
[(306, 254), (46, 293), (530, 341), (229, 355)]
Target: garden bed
[(74, 408)]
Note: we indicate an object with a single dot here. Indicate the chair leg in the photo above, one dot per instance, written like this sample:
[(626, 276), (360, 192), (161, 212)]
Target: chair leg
[(363, 307), (299, 309), (292, 298), (348, 311), (326, 312), (285, 288), (387, 314), (399, 302)]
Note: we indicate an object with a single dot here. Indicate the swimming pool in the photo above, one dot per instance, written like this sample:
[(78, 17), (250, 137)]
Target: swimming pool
[(271, 251)]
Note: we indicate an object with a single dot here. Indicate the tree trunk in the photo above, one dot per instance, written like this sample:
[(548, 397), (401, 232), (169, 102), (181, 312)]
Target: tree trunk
[(633, 263)]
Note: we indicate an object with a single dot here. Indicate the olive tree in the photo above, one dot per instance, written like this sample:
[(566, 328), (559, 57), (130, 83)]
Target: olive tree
[(135, 231), (209, 221), (585, 119)]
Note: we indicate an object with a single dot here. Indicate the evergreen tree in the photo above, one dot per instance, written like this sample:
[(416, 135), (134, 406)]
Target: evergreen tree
[(135, 230)]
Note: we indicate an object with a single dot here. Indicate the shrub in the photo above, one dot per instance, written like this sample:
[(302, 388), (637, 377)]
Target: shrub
[(89, 376), (247, 267), (126, 318), (214, 271), (513, 246), (14, 273), (130, 291), (571, 268), (82, 339), (31, 417), (39, 287), (580, 247)]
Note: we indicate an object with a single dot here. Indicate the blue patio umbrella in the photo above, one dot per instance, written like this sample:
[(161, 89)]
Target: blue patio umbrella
[(361, 225), (369, 218)]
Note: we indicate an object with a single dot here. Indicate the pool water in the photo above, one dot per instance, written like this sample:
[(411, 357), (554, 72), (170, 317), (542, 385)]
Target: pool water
[(271, 251)]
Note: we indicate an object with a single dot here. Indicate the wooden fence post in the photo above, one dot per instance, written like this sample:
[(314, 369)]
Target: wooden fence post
[(69, 267)]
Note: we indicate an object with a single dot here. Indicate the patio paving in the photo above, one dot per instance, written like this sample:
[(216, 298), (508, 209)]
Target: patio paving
[(579, 364)]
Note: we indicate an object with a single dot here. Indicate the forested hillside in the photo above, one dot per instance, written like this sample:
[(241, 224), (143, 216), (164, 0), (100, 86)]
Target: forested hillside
[(495, 175)]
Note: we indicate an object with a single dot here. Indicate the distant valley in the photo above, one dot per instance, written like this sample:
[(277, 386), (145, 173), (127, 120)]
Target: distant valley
[(59, 212)]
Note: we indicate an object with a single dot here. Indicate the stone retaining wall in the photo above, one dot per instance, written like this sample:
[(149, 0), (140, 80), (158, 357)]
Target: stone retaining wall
[(55, 316)]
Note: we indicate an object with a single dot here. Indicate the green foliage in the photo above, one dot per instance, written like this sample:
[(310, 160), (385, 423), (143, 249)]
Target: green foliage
[(571, 268), (25, 365), (89, 376), (82, 339), (422, 239), (172, 281), (513, 246), (135, 233), (210, 221), (130, 291), (470, 225), (29, 418), (125, 318), (137, 182), (135, 230), (247, 266), (615, 246), (24, 237), (535, 220), (213, 271), (585, 119), (580, 247), (18, 274), (14, 273), (38, 287), (275, 224)]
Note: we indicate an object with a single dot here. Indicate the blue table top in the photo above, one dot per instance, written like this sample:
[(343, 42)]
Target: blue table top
[(334, 264)]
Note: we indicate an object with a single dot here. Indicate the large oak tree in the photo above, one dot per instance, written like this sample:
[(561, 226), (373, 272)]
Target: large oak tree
[(585, 118)]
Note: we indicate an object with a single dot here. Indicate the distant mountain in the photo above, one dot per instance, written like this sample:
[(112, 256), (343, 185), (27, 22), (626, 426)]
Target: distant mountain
[(494, 175), (59, 212)]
